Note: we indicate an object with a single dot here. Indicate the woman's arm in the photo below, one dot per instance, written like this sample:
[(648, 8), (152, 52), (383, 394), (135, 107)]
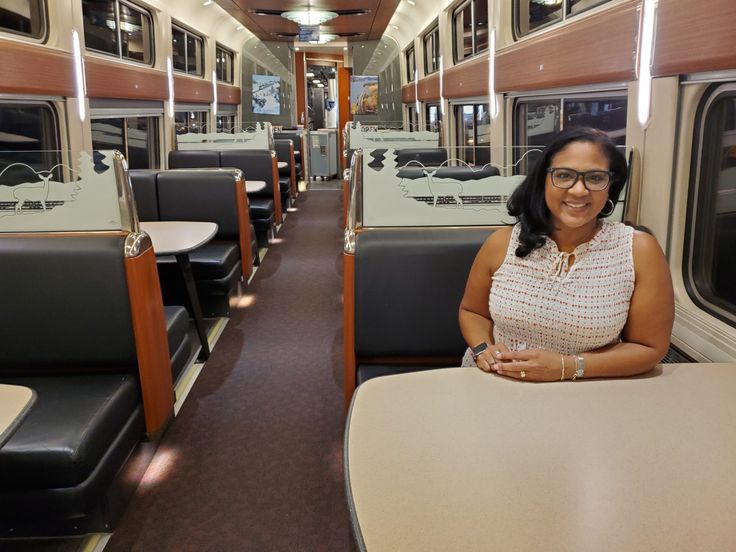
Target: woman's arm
[(645, 337), (475, 318)]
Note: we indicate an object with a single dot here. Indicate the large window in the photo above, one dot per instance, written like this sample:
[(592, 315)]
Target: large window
[(470, 29), (135, 137), (26, 17), (413, 118), (431, 42), (29, 143), (118, 28), (536, 121), (531, 15), (473, 133), (190, 121), (411, 64), (434, 117), (187, 51), (710, 264), (224, 64)]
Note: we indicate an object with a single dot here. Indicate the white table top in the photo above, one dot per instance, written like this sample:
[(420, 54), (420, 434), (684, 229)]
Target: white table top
[(254, 186), (15, 402), (282, 164), (457, 459), (175, 237)]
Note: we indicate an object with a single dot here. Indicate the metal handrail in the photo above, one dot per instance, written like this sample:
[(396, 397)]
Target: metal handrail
[(355, 205)]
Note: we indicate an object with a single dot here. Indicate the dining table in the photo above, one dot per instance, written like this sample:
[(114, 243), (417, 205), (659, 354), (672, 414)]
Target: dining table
[(459, 459), (15, 404), (254, 186), (178, 239)]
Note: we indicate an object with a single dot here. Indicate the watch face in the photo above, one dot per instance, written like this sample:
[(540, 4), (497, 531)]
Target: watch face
[(478, 349)]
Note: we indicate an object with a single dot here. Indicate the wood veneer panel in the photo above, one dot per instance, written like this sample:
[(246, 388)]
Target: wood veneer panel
[(591, 50), (408, 93), (227, 94), (192, 89), (246, 252), (468, 79), (348, 324), (151, 341), (428, 88), (695, 36), (301, 88), (34, 69), (276, 189), (343, 103), (109, 78)]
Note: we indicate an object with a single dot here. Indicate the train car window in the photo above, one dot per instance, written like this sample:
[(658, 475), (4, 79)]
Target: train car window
[(226, 123), (411, 64), (30, 138), (473, 133), (190, 121), (135, 137), (531, 15), (187, 51), (118, 28), (413, 118), (470, 29), (434, 116), (431, 42), (224, 64), (537, 121), (25, 17), (710, 264)]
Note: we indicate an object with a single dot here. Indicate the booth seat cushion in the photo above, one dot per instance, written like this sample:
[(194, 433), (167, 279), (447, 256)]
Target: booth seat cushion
[(70, 427), (369, 371), (177, 326), (284, 185), (261, 209), (210, 262)]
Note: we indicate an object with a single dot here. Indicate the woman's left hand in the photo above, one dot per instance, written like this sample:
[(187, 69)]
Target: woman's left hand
[(531, 365)]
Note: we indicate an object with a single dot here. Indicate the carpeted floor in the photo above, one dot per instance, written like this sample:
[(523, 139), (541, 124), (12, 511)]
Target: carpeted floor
[(254, 459)]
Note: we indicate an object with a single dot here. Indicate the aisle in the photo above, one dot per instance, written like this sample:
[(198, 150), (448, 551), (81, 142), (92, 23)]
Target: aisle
[(254, 459)]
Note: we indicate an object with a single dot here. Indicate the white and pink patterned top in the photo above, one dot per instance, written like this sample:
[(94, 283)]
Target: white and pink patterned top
[(536, 302)]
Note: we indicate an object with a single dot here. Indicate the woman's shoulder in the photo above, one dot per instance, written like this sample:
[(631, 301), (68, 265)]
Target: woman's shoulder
[(496, 245)]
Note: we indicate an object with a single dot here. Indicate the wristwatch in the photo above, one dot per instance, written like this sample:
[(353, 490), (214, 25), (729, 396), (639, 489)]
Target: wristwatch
[(579, 367), (478, 349)]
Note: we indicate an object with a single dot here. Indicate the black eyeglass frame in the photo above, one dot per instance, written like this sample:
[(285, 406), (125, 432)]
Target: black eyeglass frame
[(578, 174)]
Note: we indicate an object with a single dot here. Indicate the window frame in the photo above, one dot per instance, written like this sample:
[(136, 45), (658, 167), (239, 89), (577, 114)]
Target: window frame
[(119, 55), (43, 13), (458, 108), (459, 9), (410, 52), (693, 276), (566, 14), (187, 32), (432, 34), (228, 52), (102, 109)]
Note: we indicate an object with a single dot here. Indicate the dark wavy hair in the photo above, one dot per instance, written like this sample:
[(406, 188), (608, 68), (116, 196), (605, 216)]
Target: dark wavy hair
[(527, 203)]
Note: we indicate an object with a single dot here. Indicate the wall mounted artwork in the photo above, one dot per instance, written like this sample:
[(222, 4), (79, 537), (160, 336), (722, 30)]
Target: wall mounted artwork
[(266, 95), (363, 95)]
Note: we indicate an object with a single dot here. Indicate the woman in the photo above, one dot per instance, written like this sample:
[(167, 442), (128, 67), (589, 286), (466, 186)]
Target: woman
[(565, 294)]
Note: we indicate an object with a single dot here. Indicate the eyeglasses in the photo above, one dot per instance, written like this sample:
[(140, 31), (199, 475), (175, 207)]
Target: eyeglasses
[(594, 181)]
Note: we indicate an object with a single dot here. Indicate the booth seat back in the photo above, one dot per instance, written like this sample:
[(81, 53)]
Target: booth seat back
[(194, 159), (255, 164), (426, 156), (408, 287), (283, 150), (66, 305), (143, 182)]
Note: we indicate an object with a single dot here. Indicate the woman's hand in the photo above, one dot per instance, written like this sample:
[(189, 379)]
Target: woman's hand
[(487, 359), (533, 365)]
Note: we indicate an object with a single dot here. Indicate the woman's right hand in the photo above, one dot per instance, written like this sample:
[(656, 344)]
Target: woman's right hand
[(487, 359)]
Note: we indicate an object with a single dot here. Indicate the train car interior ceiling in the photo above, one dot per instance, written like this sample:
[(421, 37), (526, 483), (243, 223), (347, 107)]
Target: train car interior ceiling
[(219, 219)]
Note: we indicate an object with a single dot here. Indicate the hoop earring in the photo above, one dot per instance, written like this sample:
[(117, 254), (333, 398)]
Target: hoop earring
[(610, 211)]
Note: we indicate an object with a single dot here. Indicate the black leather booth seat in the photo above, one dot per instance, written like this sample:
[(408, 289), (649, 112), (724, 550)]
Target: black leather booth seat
[(180, 343), (408, 287), (429, 157), (70, 339), (297, 140), (283, 154)]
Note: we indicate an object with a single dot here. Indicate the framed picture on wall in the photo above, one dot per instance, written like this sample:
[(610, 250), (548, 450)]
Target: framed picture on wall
[(266, 95), (363, 95)]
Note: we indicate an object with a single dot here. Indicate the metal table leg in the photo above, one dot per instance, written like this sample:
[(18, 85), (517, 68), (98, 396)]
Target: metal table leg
[(196, 310)]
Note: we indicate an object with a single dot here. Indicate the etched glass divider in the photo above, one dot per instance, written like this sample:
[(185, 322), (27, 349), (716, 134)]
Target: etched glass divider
[(258, 135), (92, 193), (452, 193)]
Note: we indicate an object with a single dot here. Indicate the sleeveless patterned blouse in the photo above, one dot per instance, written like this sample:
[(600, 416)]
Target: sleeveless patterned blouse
[(537, 303)]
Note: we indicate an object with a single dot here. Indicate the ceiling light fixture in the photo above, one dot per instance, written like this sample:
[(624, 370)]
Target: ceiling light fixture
[(309, 17), (239, 28), (207, 2), (310, 74)]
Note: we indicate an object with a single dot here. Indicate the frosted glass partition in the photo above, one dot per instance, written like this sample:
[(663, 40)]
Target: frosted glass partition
[(92, 193), (255, 136), (373, 136), (453, 193)]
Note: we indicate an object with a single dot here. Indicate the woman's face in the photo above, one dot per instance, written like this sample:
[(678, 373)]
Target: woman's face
[(576, 207)]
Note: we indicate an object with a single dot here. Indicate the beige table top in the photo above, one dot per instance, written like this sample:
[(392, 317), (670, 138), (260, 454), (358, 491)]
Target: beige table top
[(15, 402), (174, 237), (254, 186), (457, 459)]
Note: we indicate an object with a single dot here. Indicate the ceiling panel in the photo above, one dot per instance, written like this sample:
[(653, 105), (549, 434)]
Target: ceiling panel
[(369, 26)]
